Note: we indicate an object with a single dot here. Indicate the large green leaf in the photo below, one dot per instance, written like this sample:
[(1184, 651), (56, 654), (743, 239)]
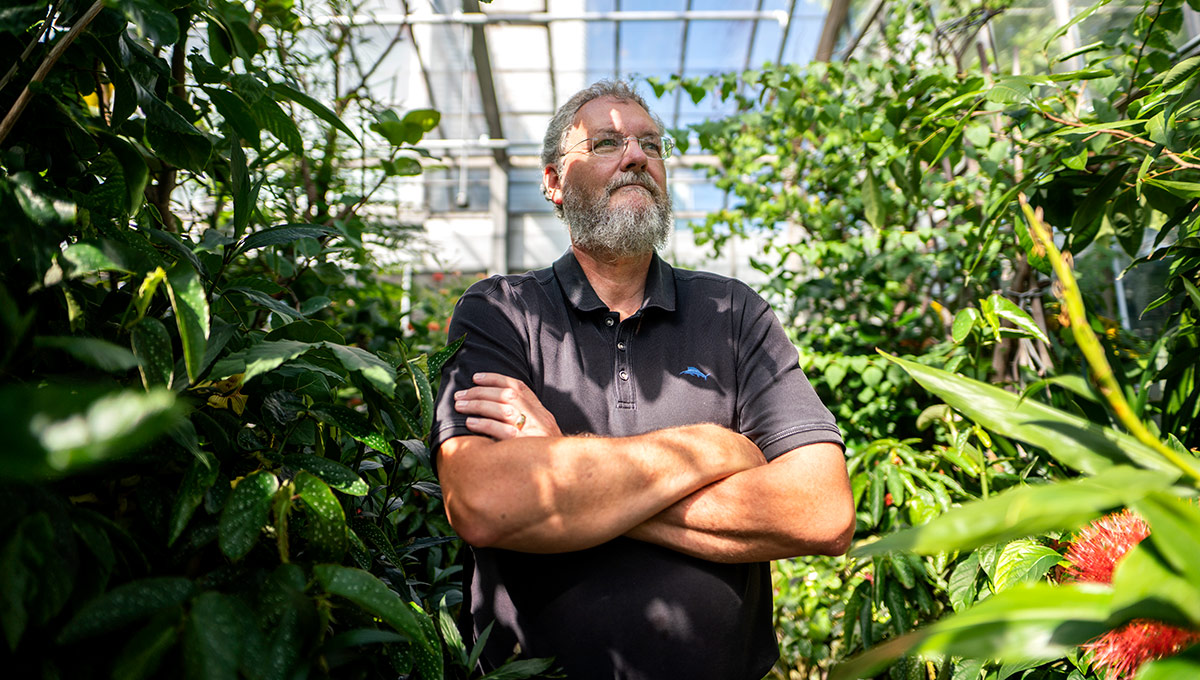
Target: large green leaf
[(213, 639), (200, 476), (354, 424), (1025, 511), (152, 349), (191, 315), (284, 233), (1174, 530), (264, 300), (52, 430), (150, 19), (1023, 560), (1034, 621), (1145, 586), (375, 370), (245, 513), (124, 605), (317, 108), (1070, 439), (173, 138), (372, 595), (331, 472), (101, 354), (326, 525), (1184, 666)]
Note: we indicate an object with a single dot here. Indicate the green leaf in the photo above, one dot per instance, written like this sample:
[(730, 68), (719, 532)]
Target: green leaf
[(331, 472), (200, 476), (237, 115), (1144, 586), (95, 352), (1174, 530), (239, 183), (326, 525), (306, 330), (425, 119), (180, 248), (263, 357), (375, 370), (141, 656), (317, 108), (1178, 74), (190, 304), (53, 429), (1008, 310), (1062, 30), (424, 392), (213, 638), (125, 604), (1086, 221), (152, 349), (263, 300), (245, 513), (273, 119), (1025, 511), (373, 596), (285, 233), (1034, 621), (961, 587), (1072, 440), (354, 424), (172, 137), (1179, 189), (439, 358), (873, 205), (89, 257), (964, 321), (365, 528), (1023, 560), (150, 20)]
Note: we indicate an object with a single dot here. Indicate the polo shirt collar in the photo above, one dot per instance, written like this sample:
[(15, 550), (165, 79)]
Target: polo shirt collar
[(660, 284)]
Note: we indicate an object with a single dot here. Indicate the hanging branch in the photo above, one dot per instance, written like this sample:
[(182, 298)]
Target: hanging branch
[(10, 120), (47, 24)]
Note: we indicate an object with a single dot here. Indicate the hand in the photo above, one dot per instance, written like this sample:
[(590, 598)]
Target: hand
[(504, 408)]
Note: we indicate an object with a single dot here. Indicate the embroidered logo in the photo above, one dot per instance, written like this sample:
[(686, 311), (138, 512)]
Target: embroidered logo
[(692, 370)]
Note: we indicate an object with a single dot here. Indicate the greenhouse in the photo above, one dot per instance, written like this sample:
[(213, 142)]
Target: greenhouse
[(789, 339)]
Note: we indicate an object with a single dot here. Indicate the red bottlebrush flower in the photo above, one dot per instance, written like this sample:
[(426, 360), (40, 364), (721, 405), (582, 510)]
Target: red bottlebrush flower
[(438, 276), (1125, 649), (887, 499), (1095, 551), (1093, 554)]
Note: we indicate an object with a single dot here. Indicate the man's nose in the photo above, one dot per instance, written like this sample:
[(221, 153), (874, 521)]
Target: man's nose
[(633, 158)]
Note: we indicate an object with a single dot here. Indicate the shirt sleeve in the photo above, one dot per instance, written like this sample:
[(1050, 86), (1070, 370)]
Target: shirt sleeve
[(489, 319), (777, 407)]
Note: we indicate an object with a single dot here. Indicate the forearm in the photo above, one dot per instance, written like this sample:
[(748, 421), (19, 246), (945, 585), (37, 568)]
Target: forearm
[(556, 494), (798, 505)]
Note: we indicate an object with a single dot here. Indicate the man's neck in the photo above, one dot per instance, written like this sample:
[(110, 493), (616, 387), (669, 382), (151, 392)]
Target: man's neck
[(620, 281)]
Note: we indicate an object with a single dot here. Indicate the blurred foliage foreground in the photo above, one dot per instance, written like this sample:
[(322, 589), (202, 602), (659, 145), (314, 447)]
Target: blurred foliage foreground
[(945, 223), (214, 462)]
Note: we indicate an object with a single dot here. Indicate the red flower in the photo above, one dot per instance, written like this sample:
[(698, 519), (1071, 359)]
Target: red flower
[(438, 276), (1093, 554), (1126, 648), (1095, 551)]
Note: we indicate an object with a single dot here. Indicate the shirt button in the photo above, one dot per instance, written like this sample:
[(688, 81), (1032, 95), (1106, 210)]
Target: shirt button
[(621, 346), (624, 375), (608, 321)]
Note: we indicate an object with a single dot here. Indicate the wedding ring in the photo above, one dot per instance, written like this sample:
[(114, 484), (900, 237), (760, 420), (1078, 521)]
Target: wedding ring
[(520, 421)]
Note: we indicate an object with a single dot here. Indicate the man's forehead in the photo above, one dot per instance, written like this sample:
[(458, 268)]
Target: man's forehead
[(608, 114)]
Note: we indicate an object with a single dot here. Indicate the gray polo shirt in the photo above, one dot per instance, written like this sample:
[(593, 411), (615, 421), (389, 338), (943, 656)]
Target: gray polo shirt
[(703, 349)]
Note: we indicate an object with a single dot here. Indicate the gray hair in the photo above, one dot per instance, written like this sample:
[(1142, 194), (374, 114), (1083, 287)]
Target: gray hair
[(556, 132)]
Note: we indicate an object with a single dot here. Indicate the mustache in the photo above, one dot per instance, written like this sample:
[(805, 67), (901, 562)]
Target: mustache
[(639, 178)]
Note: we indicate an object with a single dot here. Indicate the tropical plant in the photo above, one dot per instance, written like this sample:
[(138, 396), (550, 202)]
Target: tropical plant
[(217, 468)]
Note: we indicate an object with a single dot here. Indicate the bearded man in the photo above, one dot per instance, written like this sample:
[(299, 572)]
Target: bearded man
[(625, 445)]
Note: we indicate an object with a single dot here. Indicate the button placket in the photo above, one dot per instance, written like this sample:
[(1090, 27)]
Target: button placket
[(624, 366)]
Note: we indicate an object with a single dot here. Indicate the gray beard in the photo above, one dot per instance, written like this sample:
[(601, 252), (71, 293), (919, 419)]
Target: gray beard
[(621, 231)]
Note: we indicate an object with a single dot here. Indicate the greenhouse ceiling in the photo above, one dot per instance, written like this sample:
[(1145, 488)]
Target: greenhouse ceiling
[(497, 71)]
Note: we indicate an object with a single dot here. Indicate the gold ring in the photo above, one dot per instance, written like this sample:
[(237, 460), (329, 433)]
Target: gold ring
[(520, 421)]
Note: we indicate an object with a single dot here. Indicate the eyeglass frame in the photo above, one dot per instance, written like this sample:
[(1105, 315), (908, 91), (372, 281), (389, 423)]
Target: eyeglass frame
[(668, 146)]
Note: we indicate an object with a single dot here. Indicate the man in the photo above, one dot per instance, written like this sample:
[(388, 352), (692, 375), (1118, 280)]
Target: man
[(626, 445)]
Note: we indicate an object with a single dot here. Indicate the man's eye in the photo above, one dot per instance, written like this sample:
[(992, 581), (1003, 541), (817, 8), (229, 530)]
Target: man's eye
[(650, 145), (605, 143)]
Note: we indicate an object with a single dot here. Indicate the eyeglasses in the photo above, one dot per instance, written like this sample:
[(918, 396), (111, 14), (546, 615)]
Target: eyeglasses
[(614, 145)]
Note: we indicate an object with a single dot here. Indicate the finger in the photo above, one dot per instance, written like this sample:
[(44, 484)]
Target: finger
[(500, 395), (487, 409), (497, 380), (495, 429)]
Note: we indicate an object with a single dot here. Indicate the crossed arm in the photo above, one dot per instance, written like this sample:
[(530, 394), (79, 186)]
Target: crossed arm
[(700, 489)]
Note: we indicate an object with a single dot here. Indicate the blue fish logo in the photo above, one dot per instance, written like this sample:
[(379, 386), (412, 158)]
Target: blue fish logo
[(692, 370)]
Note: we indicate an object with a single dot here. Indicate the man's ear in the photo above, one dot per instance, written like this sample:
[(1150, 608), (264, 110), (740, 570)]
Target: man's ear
[(552, 184)]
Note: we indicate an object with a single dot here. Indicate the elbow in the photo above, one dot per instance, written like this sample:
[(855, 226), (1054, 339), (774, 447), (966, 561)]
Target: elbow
[(474, 525), (839, 532)]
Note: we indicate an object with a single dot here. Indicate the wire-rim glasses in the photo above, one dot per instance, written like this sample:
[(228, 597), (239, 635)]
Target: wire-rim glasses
[(653, 146)]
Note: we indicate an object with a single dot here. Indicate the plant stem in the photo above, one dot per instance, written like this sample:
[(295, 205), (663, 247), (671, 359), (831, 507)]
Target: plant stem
[(1092, 351), (10, 120)]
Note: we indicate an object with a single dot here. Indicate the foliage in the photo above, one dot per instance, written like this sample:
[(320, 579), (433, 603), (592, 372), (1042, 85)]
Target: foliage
[(907, 190), (215, 465)]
